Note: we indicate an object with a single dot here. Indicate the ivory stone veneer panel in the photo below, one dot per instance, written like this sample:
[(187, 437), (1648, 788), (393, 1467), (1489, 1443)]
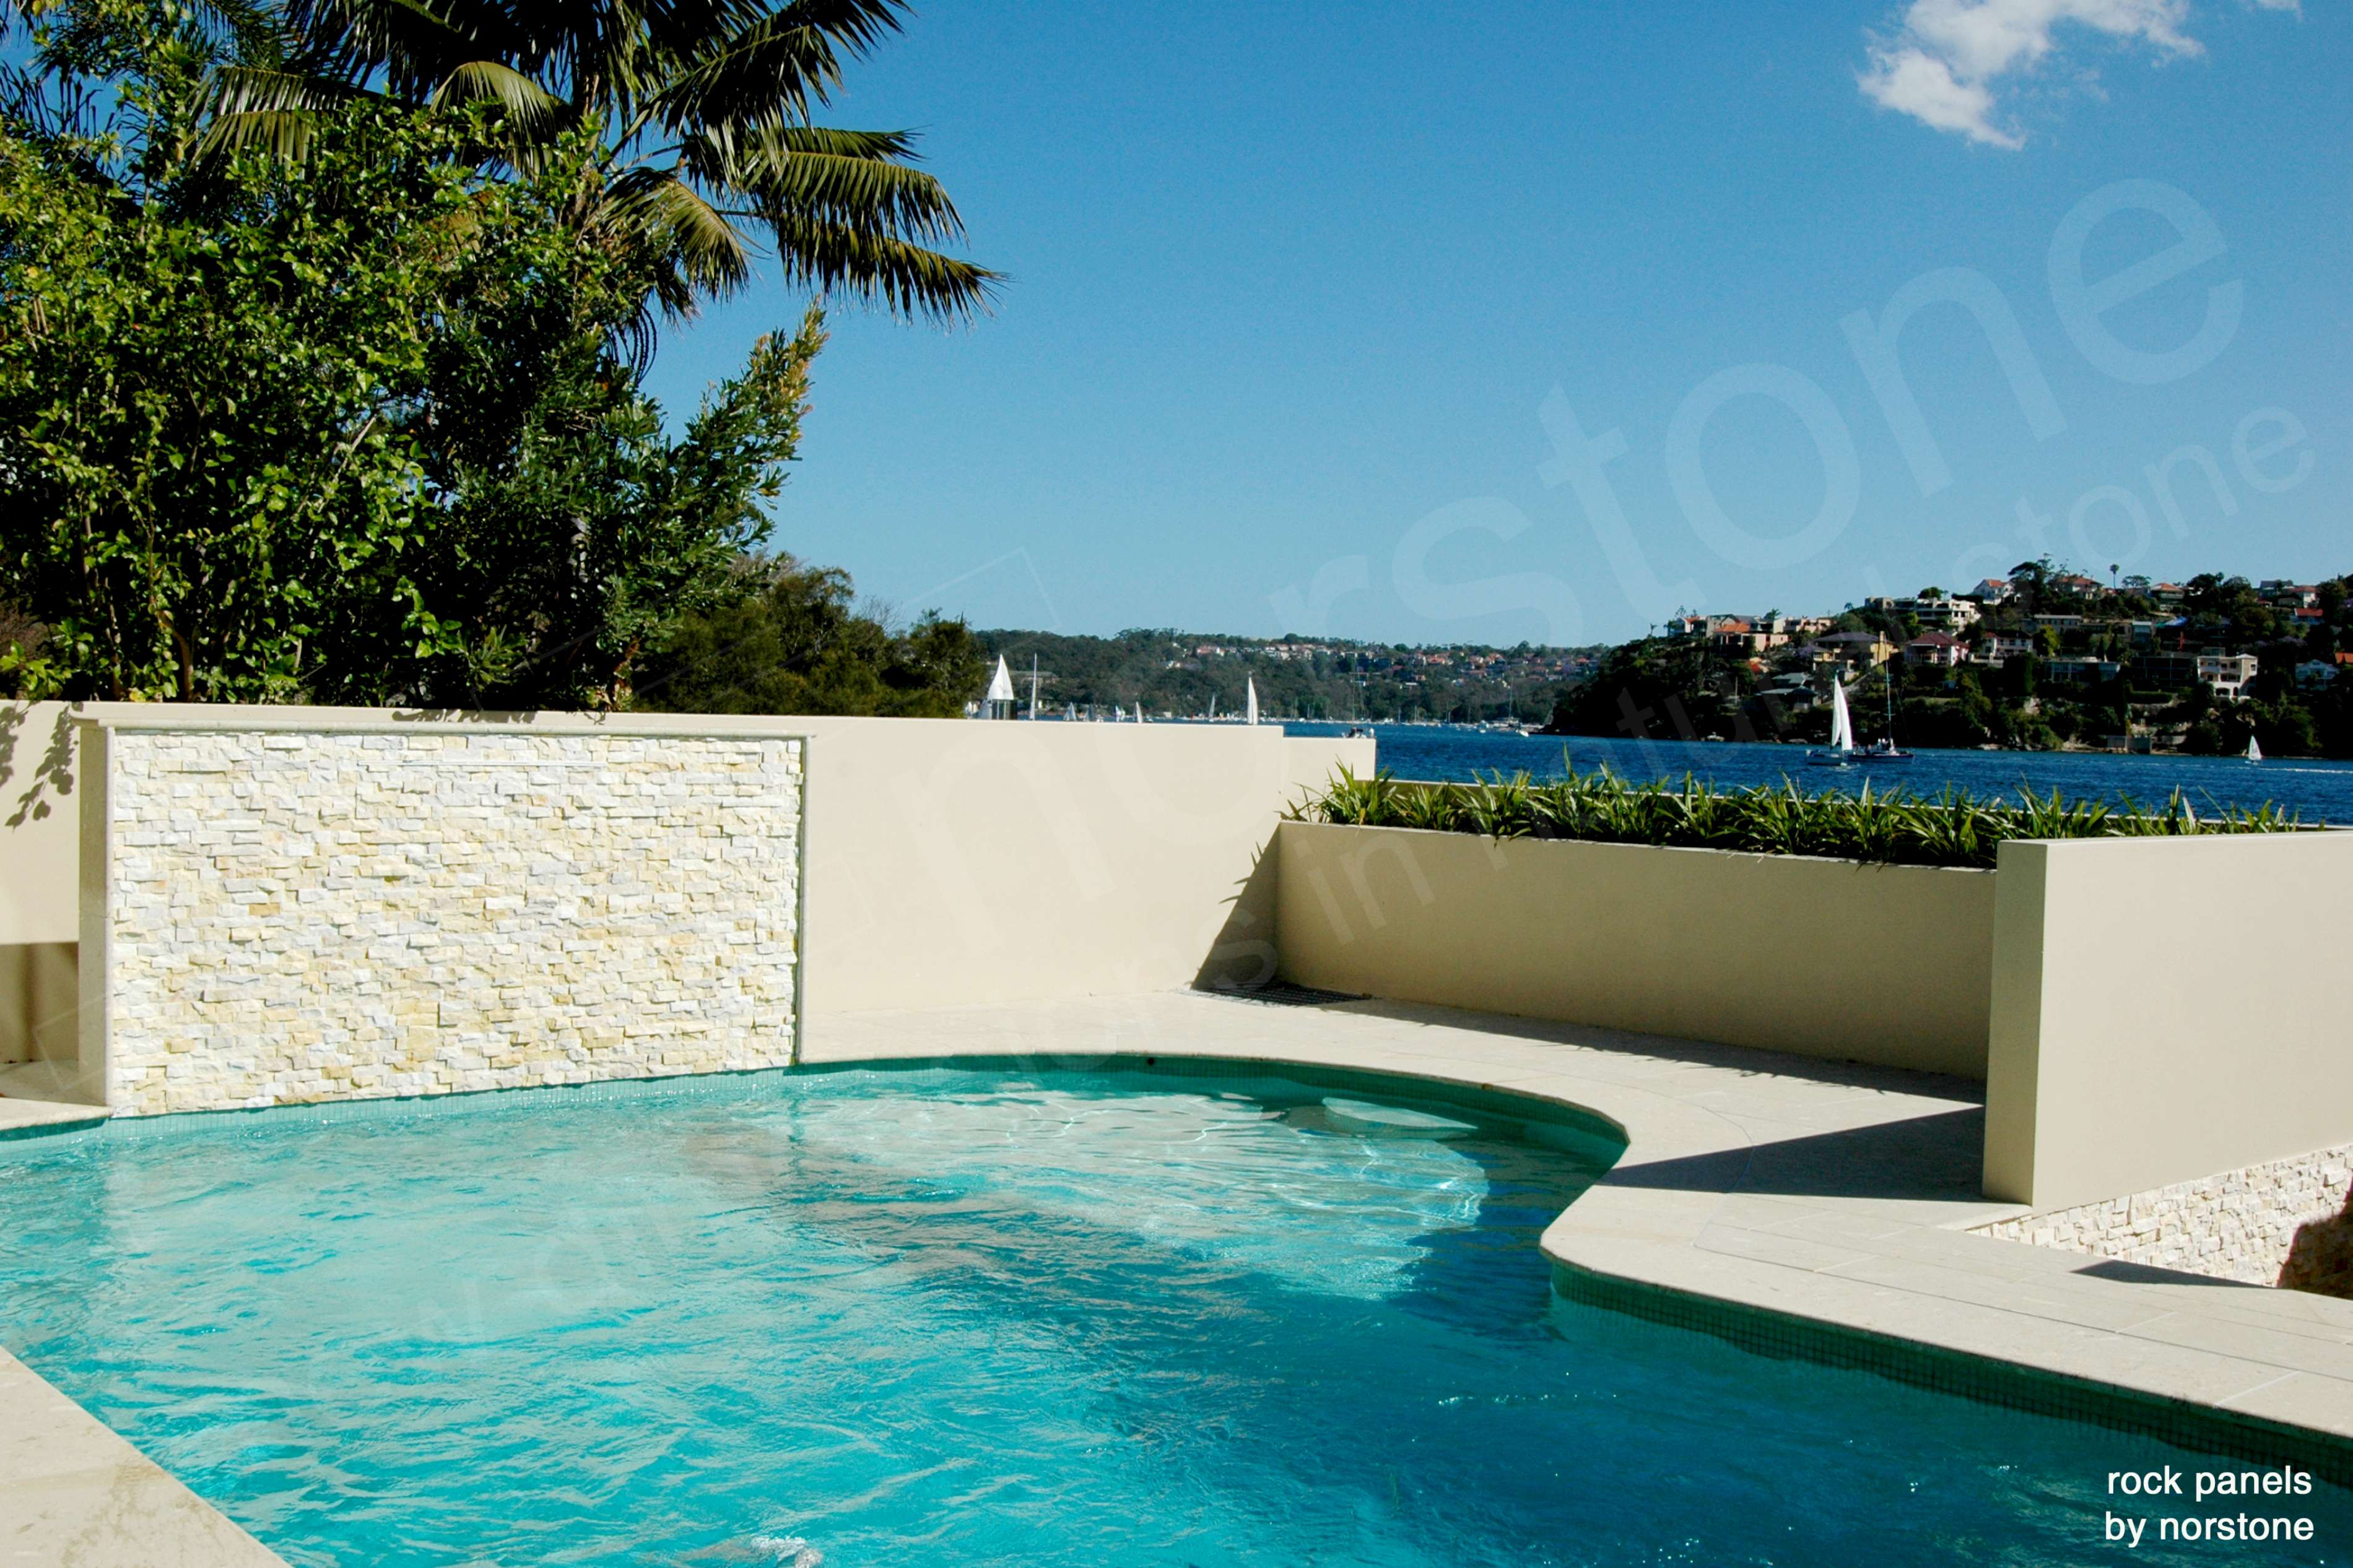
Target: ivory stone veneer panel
[(2239, 1225), (321, 915)]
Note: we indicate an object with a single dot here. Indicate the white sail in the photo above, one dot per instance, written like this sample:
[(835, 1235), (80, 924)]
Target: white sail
[(1842, 725), (1033, 684), (1000, 685), (2255, 753), (1253, 717)]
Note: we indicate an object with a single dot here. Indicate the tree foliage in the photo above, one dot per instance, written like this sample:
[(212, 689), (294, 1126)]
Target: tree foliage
[(350, 430), (791, 640), (367, 426)]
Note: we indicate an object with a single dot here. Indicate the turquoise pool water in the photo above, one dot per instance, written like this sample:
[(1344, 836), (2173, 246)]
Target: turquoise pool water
[(958, 1318)]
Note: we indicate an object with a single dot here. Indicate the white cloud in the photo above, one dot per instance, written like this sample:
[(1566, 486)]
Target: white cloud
[(1943, 64)]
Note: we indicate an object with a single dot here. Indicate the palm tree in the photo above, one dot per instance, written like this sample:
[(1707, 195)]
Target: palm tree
[(703, 109)]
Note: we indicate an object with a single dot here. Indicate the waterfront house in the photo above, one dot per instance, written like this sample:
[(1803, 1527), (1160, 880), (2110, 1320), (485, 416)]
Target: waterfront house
[(1867, 650), (1997, 648), (2077, 671), (1937, 650), (2227, 673)]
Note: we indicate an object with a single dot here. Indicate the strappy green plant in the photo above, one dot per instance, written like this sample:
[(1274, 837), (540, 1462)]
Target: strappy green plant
[(1889, 826)]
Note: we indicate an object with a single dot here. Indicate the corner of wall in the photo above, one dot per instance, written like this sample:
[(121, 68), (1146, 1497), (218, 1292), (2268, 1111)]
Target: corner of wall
[(2014, 1024), (96, 788)]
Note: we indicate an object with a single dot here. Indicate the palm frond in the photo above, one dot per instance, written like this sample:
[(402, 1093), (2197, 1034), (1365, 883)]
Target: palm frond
[(771, 71), (782, 170), (415, 44), (266, 109), (877, 268), (285, 134), (251, 90), (526, 107), (691, 242)]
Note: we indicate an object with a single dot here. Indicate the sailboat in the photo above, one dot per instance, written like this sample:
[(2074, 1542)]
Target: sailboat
[(999, 703), (1253, 717), (1885, 749), (2254, 751), (1840, 752), (1033, 686)]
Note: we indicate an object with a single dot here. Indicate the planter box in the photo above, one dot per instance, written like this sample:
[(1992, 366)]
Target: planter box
[(2143, 1011), (1890, 965)]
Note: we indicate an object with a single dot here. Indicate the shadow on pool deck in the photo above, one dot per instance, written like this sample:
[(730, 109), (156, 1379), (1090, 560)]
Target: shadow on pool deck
[(1929, 1158)]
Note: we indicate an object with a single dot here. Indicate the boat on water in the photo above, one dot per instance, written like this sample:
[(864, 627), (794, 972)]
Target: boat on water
[(1840, 752), (1885, 749), (2254, 751)]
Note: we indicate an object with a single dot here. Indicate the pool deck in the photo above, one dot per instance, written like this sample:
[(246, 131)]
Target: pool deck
[(1769, 1188), (74, 1495)]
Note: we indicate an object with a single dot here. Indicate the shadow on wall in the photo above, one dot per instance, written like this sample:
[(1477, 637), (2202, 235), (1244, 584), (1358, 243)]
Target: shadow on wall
[(1242, 956), (51, 774), (2320, 1258)]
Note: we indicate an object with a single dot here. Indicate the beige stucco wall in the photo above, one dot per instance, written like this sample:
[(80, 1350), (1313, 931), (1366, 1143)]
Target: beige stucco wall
[(1879, 964), (274, 916), (38, 827), (2165, 1009), (953, 861)]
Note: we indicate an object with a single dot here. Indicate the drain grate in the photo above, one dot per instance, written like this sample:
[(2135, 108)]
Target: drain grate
[(1284, 994)]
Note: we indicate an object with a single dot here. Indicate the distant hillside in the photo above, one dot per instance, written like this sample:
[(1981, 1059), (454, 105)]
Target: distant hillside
[(1177, 673)]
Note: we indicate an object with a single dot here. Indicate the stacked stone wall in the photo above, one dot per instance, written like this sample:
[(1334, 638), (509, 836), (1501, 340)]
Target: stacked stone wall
[(295, 916), (2238, 1226)]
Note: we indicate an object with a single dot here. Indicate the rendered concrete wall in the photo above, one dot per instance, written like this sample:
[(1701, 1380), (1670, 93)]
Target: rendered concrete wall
[(2165, 1009), (38, 828), (274, 915), (955, 862), (1879, 964)]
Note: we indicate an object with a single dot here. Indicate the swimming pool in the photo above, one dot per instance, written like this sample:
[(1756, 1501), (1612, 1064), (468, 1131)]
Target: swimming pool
[(963, 1317)]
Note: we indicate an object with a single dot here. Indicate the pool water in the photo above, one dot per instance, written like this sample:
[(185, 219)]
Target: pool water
[(962, 1317)]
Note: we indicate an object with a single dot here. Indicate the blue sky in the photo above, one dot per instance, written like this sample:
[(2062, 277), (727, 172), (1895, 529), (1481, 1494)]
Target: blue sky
[(1321, 318)]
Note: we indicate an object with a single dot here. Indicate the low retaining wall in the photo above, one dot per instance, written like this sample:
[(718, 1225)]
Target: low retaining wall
[(2240, 1224), (1888, 965), (271, 915)]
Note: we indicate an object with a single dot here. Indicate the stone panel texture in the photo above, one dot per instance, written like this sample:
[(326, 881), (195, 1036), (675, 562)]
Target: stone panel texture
[(296, 916), (2242, 1224)]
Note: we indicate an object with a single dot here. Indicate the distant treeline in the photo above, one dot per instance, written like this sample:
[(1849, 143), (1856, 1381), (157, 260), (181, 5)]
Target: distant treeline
[(1178, 672)]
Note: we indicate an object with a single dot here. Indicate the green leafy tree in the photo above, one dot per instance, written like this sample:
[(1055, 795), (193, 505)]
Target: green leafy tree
[(361, 428), (791, 640), (195, 412)]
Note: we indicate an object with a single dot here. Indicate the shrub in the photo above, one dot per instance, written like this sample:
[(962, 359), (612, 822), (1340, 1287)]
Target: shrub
[(1892, 826)]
